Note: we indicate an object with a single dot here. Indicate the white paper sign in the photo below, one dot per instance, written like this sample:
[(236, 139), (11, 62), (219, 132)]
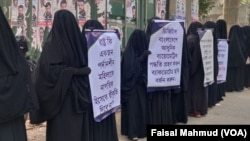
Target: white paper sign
[(207, 53), (222, 60), (164, 64), (104, 61)]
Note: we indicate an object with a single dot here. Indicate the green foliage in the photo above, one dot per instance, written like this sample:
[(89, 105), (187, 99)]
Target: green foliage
[(34, 54), (204, 7), (244, 2)]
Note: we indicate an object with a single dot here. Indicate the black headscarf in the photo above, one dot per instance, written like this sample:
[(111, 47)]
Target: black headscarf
[(193, 43), (221, 29), (192, 29), (246, 32), (63, 50), (131, 67), (17, 95), (93, 24), (236, 56)]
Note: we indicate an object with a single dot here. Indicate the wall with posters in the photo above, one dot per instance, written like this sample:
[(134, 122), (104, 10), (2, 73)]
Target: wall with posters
[(34, 18)]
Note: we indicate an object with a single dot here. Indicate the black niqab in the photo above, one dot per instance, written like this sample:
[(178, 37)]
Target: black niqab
[(135, 47), (221, 29)]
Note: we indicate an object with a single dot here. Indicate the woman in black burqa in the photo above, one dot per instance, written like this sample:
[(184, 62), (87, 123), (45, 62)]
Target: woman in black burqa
[(236, 60), (61, 82), (159, 102), (17, 93), (134, 86), (246, 31), (104, 130), (221, 33), (170, 106), (197, 93), (213, 88)]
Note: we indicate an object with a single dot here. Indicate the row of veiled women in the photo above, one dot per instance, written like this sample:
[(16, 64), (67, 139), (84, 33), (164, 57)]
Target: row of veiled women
[(171, 106), (61, 93)]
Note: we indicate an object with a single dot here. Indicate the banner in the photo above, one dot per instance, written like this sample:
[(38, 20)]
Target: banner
[(207, 53), (222, 60), (164, 64), (104, 61)]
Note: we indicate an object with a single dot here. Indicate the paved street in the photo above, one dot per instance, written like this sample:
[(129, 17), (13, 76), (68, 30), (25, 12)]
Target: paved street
[(234, 109)]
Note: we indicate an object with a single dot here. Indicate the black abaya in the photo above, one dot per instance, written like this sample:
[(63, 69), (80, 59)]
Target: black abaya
[(213, 88), (61, 82), (236, 60), (17, 94), (133, 87), (197, 93), (160, 101), (221, 33), (246, 31), (106, 128)]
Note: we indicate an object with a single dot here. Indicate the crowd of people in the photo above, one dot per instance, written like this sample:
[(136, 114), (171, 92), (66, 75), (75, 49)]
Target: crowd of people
[(58, 90)]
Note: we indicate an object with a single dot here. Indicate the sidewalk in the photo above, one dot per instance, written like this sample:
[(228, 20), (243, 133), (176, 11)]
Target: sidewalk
[(234, 109)]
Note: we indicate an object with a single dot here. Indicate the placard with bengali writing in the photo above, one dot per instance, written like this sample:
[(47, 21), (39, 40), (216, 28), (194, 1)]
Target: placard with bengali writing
[(222, 60), (164, 62), (207, 53), (104, 61)]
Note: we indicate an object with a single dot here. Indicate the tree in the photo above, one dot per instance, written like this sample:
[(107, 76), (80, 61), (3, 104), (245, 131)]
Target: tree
[(247, 2), (204, 7)]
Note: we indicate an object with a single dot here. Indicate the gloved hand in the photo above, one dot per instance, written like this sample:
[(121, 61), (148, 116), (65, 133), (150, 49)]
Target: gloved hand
[(82, 71), (144, 55)]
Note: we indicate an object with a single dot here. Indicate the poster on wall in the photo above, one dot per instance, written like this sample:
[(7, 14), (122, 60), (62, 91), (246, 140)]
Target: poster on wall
[(161, 9), (180, 10), (131, 10), (18, 12), (195, 10), (83, 12), (64, 4), (103, 10), (45, 15), (164, 62), (34, 13), (104, 61)]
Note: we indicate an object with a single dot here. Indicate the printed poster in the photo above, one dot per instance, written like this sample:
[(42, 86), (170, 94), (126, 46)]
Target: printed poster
[(161, 9), (131, 10), (195, 10), (83, 12), (46, 13)]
